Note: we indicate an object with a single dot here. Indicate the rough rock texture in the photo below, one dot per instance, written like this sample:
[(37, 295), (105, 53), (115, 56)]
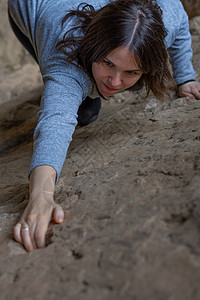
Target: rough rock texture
[(130, 192), (192, 7)]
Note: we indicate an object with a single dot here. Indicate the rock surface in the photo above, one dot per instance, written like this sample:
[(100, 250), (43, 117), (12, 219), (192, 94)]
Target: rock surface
[(192, 7), (129, 189)]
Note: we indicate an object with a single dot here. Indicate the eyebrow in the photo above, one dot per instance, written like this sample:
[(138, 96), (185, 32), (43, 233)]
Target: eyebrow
[(136, 70)]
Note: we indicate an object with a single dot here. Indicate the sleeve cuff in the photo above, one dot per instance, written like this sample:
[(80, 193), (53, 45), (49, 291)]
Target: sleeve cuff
[(185, 82)]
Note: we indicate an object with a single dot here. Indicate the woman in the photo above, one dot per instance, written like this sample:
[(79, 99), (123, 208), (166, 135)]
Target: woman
[(94, 50)]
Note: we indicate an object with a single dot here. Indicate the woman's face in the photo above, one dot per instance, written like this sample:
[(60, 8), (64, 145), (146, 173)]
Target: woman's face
[(117, 72)]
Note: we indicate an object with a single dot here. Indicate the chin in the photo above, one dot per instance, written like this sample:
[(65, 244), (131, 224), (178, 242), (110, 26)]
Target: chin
[(107, 94)]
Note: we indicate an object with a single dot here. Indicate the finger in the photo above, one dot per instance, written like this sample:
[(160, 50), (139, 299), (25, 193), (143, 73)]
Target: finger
[(40, 232), (31, 223), (191, 96), (197, 94), (26, 239), (17, 233), (58, 214), (32, 234)]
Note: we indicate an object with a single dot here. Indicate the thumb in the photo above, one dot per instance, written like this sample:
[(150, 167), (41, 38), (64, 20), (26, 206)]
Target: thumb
[(58, 214)]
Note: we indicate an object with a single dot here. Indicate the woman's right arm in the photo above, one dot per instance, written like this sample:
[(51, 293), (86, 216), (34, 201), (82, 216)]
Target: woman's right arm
[(62, 95), (30, 231)]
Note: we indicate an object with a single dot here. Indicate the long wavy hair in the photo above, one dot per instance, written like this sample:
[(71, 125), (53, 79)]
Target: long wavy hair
[(136, 24)]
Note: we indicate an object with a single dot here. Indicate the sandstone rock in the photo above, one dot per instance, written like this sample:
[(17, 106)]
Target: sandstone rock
[(129, 189), (192, 7), (195, 26)]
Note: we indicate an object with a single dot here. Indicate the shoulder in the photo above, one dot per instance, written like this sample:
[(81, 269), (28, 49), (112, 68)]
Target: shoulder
[(172, 11), (174, 6), (173, 15)]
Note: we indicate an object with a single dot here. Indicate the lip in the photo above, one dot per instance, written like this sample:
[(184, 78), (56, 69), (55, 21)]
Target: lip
[(110, 89)]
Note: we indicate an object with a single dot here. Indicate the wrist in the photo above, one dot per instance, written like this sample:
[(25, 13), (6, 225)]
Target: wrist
[(42, 180), (191, 80)]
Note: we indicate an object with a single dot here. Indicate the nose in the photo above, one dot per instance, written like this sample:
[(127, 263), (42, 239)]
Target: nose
[(115, 79)]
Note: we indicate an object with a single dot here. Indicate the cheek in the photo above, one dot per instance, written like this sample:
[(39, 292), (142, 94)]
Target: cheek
[(131, 81), (98, 71), (95, 70)]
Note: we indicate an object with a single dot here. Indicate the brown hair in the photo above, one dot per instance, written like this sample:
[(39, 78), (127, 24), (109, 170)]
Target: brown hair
[(136, 24)]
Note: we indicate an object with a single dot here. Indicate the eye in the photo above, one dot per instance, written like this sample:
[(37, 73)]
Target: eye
[(133, 73), (107, 63)]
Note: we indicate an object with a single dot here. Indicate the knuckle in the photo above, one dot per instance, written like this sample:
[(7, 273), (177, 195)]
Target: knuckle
[(43, 221), (41, 218), (30, 218)]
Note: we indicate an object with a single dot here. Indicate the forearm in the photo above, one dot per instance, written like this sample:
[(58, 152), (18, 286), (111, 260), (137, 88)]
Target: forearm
[(181, 53)]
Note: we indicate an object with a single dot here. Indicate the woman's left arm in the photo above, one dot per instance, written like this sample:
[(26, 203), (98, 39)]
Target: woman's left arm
[(180, 52)]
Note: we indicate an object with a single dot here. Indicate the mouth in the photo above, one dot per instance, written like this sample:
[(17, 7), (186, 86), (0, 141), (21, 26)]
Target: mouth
[(110, 89)]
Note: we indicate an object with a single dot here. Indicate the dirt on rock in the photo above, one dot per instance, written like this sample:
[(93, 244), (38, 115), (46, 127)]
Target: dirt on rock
[(129, 188)]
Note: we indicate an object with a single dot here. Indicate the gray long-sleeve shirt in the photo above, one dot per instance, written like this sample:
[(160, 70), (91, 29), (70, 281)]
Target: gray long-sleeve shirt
[(65, 85)]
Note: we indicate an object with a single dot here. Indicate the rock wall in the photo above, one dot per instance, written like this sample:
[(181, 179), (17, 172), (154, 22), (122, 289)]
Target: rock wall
[(192, 7), (129, 188), (12, 53)]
